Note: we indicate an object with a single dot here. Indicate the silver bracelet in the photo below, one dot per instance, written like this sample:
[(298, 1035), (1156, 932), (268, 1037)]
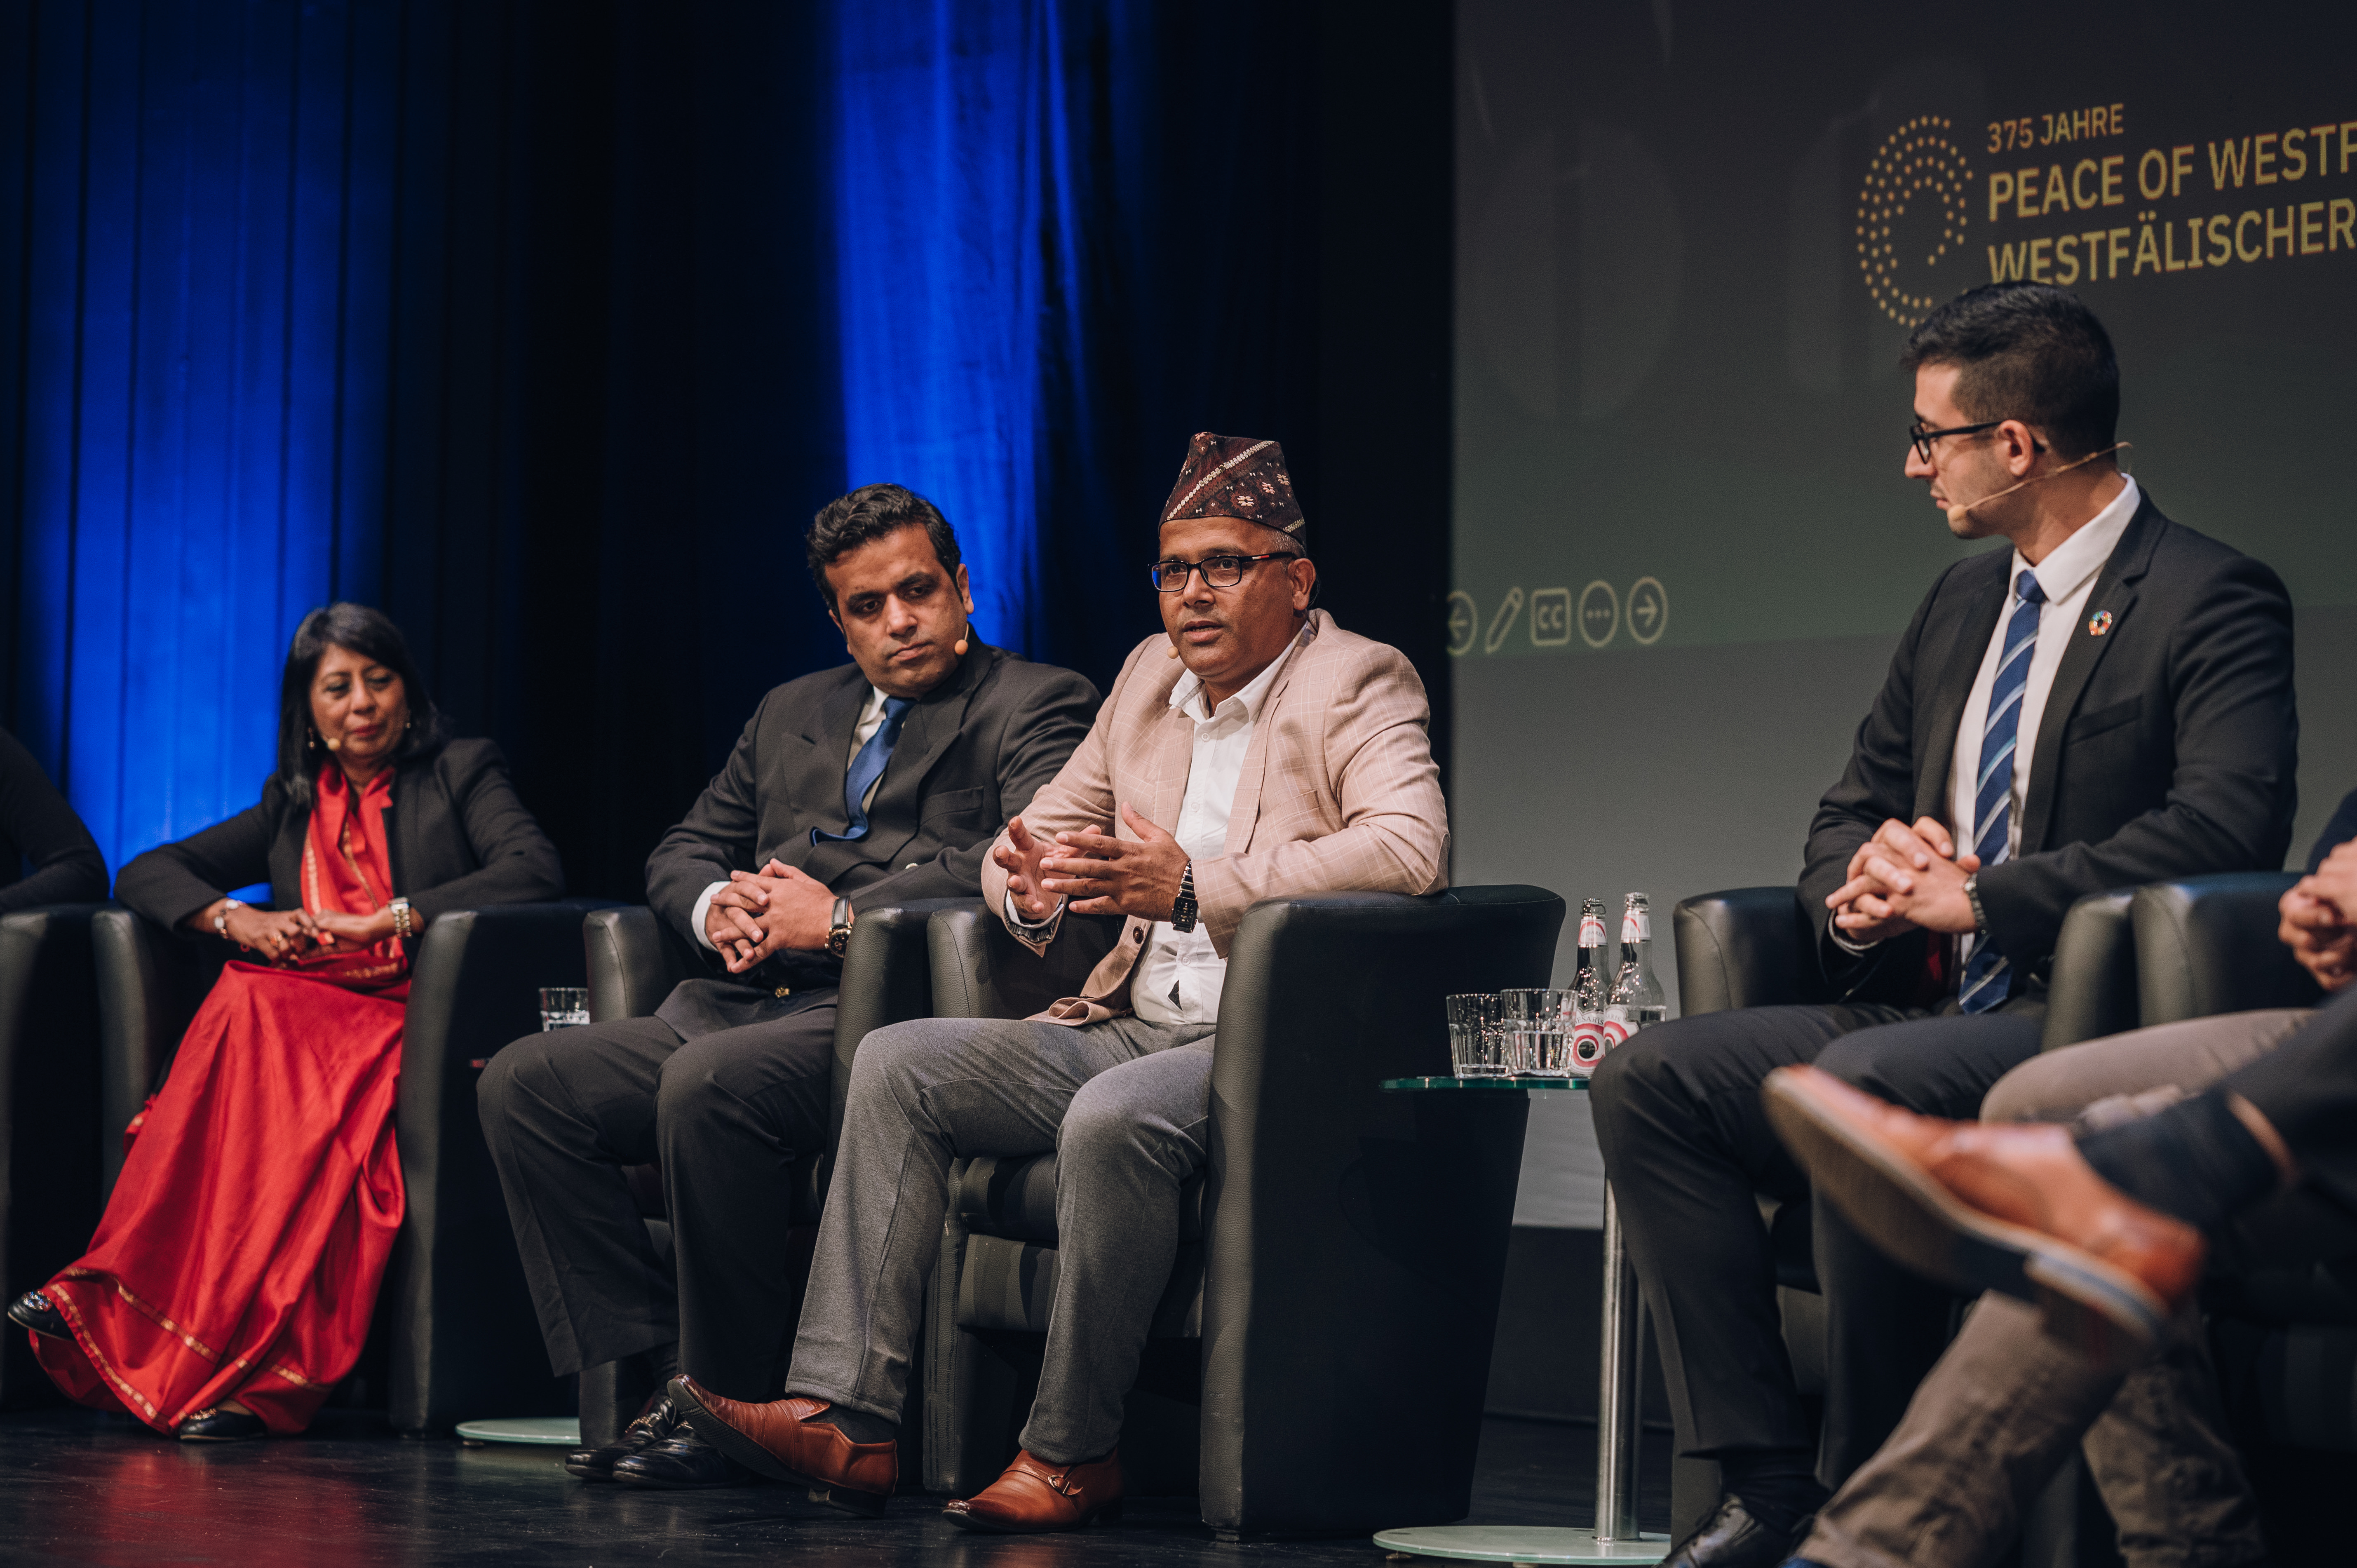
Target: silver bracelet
[(221, 916)]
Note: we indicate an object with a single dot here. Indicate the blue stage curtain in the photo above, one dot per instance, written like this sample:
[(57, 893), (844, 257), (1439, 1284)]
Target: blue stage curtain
[(200, 289), (964, 257)]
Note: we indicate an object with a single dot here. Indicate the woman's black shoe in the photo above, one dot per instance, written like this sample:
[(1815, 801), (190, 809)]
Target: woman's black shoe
[(35, 1311), (597, 1463), (222, 1426)]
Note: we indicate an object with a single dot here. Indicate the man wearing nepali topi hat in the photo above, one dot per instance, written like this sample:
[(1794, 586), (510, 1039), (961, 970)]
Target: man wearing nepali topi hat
[(1253, 750)]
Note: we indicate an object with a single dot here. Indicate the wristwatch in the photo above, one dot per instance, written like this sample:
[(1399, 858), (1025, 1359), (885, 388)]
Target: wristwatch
[(404, 924), (838, 935), (1182, 908), (221, 916), (1973, 896)]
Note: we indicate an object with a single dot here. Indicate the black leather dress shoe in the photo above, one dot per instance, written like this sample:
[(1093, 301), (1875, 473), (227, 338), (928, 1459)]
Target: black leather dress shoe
[(222, 1426), (683, 1462), (1731, 1538), (35, 1311), (597, 1463)]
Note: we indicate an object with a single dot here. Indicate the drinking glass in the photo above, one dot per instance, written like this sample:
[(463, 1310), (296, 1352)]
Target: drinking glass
[(1540, 1021), (1479, 1045), (562, 1008)]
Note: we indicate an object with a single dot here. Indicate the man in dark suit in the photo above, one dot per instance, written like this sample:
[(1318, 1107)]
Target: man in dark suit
[(2105, 704), (873, 784)]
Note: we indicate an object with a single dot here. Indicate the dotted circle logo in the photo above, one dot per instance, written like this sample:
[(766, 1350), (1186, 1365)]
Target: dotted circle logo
[(1917, 171)]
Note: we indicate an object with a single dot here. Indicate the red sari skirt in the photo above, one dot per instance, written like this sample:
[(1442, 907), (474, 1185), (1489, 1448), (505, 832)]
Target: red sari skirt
[(240, 1253)]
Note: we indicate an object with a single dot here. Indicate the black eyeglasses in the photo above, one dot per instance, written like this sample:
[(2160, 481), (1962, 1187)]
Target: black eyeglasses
[(1220, 571), (1922, 438)]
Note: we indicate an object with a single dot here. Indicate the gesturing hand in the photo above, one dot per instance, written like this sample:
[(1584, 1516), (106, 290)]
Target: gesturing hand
[(1113, 876), (1902, 878), (1020, 858), (2319, 933)]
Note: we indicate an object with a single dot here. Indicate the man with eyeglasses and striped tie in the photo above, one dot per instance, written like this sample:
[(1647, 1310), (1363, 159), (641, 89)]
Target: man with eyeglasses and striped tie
[(2105, 704)]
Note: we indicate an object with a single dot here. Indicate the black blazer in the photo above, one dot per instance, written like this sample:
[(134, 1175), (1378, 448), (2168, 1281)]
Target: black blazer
[(37, 826), (972, 754), (2169, 747), (459, 836)]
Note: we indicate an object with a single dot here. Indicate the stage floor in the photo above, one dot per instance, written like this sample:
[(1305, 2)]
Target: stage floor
[(82, 1488)]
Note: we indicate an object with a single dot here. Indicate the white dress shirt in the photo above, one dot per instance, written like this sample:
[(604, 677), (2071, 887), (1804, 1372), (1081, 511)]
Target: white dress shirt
[(2067, 577), (871, 719), (1178, 974)]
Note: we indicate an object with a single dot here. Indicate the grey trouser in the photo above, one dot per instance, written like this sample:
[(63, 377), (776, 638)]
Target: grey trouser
[(1998, 1415), (1124, 1105)]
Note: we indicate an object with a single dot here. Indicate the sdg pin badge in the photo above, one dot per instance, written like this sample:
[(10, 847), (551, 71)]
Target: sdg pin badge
[(2099, 623)]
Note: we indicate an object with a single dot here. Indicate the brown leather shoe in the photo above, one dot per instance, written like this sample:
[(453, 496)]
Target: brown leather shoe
[(1035, 1496), (779, 1439), (1993, 1206)]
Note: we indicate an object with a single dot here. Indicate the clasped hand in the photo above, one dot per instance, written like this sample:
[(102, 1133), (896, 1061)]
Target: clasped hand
[(1105, 874), (1903, 879), (2317, 925), (283, 935), (762, 912)]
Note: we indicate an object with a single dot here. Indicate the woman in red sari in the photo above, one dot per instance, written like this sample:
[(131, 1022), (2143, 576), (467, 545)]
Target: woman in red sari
[(229, 1287)]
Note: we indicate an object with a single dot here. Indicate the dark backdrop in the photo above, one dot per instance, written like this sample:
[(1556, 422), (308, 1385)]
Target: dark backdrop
[(522, 320)]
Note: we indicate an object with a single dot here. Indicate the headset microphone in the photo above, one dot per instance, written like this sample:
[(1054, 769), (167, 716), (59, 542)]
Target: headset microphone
[(1957, 514)]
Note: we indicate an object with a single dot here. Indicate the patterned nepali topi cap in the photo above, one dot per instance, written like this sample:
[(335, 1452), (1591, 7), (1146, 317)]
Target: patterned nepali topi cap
[(1234, 475)]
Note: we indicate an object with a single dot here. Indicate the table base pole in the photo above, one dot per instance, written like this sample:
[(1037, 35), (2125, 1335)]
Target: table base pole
[(1542, 1547)]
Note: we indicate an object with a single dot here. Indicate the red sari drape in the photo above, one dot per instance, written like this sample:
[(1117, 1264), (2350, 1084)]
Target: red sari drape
[(240, 1253)]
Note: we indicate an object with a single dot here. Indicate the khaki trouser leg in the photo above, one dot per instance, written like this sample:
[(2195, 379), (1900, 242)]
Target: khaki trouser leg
[(1986, 1430)]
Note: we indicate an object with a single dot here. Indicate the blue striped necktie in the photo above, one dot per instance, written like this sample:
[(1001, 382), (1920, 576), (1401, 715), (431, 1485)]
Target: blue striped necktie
[(1988, 978), (866, 768)]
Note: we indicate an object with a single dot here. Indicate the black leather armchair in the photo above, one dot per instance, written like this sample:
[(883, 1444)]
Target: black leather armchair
[(1754, 947), (49, 1132), (463, 1339), (634, 962), (2286, 1338), (1343, 1246)]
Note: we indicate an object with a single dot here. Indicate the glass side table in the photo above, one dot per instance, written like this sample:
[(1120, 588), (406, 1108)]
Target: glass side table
[(1616, 1538)]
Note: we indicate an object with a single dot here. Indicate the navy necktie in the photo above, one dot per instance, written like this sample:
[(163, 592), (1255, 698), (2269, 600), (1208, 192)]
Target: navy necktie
[(1988, 978), (866, 768)]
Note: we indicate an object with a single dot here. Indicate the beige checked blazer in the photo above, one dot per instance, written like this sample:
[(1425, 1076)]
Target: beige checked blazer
[(1339, 791)]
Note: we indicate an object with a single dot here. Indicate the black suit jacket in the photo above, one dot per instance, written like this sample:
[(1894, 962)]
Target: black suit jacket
[(459, 836), (39, 829), (2169, 747), (972, 753)]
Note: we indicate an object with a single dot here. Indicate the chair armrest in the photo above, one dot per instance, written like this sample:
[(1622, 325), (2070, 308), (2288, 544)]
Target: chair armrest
[(464, 1329), (634, 962), (49, 1131), (2206, 945), (886, 979), (150, 984), (2093, 989), (1746, 947), (1347, 1228), (980, 970)]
